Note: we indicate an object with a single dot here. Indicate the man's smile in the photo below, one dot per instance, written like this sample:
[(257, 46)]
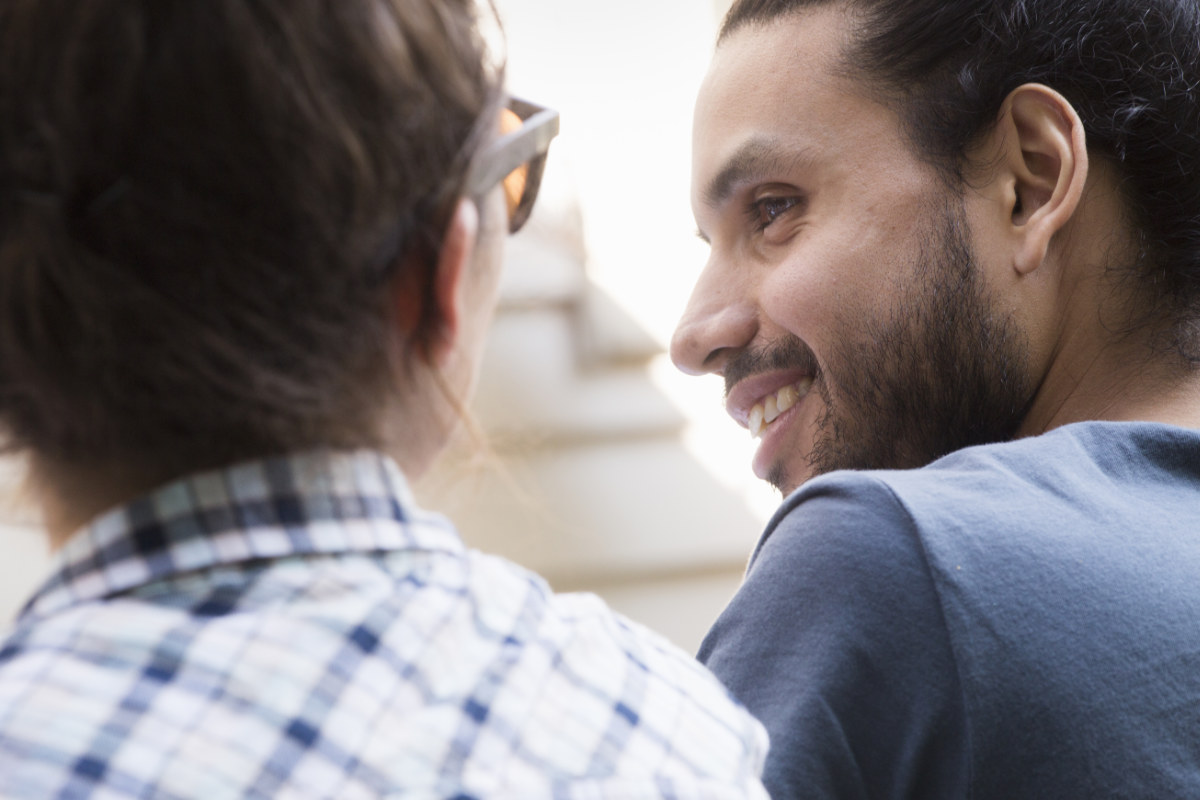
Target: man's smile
[(771, 406), (757, 400)]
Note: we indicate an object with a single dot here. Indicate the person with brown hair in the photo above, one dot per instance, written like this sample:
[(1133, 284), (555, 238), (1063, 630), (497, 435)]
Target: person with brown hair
[(954, 290), (248, 254)]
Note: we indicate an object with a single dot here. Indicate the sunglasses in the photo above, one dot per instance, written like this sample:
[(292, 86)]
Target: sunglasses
[(516, 159)]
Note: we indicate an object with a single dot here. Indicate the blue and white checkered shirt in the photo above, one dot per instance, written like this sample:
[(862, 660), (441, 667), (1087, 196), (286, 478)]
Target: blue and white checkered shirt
[(299, 628)]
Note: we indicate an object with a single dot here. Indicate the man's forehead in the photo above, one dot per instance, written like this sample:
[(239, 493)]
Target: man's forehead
[(761, 70), (762, 103), (812, 37)]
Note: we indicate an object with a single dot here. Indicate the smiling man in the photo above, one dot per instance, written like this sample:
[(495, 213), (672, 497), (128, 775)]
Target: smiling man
[(954, 288)]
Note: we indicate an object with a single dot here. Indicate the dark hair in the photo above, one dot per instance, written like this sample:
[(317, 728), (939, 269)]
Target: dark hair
[(1130, 68), (199, 205)]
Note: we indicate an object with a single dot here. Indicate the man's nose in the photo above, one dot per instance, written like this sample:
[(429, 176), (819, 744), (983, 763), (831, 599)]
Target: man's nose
[(719, 321)]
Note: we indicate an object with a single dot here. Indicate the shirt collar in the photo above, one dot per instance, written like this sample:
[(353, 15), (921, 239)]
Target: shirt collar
[(318, 502)]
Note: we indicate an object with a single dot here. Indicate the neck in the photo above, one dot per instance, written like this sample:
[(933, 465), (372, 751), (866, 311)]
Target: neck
[(1091, 364), (1130, 381), (70, 496)]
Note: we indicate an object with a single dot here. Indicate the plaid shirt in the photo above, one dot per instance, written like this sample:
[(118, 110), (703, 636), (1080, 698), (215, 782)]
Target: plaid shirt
[(299, 628)]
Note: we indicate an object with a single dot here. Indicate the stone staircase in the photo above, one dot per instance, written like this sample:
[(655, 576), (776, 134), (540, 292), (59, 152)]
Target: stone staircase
[(586, 478)]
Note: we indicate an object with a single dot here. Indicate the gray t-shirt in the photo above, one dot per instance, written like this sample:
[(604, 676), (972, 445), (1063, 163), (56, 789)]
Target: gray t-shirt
[(1018, 620)]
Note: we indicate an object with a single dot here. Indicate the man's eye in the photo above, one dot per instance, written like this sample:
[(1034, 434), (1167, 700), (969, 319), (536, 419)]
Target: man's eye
[(766, 210)]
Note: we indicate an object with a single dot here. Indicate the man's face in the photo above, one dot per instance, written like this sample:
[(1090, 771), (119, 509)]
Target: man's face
[(842, 301)]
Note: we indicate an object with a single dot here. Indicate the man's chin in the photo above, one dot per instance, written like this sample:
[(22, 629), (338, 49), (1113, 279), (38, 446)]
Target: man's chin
[(785, 480)]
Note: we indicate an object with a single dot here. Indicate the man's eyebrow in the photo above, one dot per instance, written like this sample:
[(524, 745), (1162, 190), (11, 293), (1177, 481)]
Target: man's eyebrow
[(754, 160)]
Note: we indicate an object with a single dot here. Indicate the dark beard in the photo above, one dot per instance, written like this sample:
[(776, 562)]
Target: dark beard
[(943, 372)]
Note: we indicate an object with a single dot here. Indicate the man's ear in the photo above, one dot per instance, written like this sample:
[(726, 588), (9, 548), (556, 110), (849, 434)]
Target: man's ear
[(438, 306), (1042, 166)]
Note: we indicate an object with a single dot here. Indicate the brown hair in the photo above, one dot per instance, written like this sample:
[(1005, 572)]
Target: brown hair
[(200, 201)]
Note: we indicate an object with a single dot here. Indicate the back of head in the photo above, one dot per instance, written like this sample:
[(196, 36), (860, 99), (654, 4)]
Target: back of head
[(1130, 68), (199, 203)]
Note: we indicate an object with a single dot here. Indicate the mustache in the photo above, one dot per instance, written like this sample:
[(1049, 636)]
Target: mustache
[(785, 353)]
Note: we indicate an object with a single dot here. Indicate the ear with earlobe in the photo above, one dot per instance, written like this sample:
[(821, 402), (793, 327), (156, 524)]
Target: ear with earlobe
[(1045, 164), (443, 293), (454, 257)]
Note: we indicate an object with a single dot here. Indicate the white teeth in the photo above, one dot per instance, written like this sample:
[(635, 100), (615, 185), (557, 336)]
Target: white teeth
[(770, 409), (766, 412), (787, 397), (756, 421)]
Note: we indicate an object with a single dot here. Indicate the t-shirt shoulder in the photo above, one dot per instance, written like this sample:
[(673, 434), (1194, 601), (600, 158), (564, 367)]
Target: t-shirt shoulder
[(838, 642)]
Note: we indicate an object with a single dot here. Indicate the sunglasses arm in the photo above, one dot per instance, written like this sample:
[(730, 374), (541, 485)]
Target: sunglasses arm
[(513, 149)]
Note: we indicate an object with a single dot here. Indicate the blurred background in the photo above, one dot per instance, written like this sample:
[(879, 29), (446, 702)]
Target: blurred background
[(604, 469)]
